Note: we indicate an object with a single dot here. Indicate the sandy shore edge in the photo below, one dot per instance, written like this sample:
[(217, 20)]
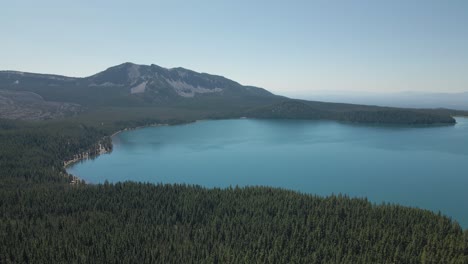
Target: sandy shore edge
[(102, 150)]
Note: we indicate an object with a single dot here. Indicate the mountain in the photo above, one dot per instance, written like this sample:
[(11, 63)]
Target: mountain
[(129, 86)]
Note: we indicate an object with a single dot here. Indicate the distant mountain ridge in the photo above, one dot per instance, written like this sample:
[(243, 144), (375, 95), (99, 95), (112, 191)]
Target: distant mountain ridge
[(129, 86), (455, 100), (131, 82), (183, 82)]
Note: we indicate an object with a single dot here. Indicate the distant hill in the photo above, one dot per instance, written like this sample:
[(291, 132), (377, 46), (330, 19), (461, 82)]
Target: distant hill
[(458, 101), (128, 86)]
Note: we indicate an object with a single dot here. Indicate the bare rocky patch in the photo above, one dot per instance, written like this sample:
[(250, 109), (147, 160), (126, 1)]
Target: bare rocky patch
[(31, 106)]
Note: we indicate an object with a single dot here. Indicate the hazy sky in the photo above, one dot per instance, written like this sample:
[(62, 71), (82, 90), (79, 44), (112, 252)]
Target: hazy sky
[(290, 47)]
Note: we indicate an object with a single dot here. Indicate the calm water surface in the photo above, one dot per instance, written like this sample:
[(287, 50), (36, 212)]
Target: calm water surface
[(425, 167)]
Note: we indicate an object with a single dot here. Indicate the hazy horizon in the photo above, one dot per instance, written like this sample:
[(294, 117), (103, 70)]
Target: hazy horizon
[(299, 47)]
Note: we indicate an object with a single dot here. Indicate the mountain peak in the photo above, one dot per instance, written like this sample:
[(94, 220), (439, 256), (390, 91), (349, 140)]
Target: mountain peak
[(135, 84), (131, 84), (155, 81)]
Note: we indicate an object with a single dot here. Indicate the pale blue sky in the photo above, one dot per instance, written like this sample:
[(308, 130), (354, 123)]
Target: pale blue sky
[(289, 47)]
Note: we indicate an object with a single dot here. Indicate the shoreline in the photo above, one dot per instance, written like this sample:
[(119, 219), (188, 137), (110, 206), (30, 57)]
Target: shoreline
[(102, 150), (134, 128)]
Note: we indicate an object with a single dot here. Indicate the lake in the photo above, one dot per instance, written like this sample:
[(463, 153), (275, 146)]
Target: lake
[(425, 167)]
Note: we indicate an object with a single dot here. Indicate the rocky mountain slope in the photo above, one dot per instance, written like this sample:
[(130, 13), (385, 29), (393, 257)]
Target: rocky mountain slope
[(31, 106), (130, 85)]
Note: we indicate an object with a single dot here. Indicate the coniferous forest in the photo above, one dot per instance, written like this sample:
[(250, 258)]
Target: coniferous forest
[(45, 219), (375, 94)]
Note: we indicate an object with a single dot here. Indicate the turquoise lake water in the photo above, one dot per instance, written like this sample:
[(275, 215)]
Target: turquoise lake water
[(425, 167)]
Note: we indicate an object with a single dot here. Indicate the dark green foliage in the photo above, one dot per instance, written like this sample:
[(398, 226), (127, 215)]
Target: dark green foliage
[(396, 116), (172, 223), (35, 152), (296, 109)]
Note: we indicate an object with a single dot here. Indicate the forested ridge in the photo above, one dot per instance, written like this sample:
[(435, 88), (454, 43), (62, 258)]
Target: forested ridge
[(132, 87), (299, 109), (44, 219)]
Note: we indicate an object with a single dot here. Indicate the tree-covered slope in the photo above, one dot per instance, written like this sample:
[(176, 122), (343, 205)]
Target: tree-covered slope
[(296, 109)]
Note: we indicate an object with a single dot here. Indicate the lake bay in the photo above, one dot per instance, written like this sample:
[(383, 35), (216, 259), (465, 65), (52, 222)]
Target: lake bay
[(425, 167)]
